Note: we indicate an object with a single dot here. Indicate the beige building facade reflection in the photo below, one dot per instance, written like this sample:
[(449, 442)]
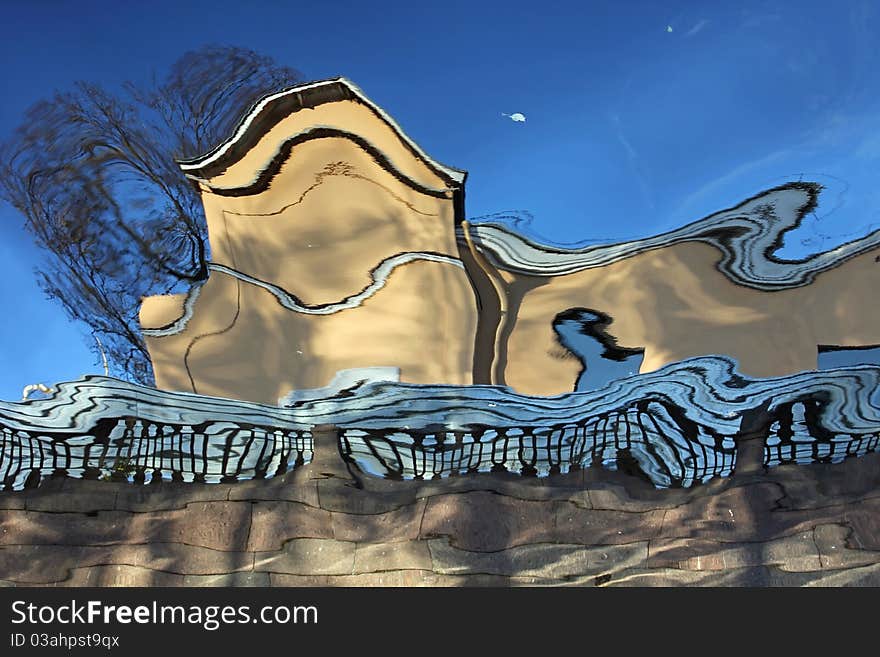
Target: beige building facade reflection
[(337, 243)]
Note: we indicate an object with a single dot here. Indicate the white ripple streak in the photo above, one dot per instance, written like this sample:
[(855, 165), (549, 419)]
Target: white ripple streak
[(379, 277)]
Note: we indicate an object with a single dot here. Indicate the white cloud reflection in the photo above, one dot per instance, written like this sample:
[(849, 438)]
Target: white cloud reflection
[(698, 27)]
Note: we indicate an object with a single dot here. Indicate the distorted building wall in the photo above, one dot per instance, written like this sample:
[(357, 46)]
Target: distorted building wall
[(338, 244), (711, 287), (333, 243)]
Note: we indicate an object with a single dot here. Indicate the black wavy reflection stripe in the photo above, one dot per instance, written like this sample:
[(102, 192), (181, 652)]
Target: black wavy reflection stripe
[(267, 174)]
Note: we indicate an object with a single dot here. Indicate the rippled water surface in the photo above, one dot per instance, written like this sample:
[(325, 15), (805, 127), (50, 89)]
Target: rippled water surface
[(434, 346)]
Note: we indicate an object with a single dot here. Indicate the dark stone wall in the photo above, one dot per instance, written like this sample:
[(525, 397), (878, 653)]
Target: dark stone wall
[(320, 525)]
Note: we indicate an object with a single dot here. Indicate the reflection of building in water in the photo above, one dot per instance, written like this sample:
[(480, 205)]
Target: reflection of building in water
[(338, 244), (711, 287), (341, 255), (334, 247)]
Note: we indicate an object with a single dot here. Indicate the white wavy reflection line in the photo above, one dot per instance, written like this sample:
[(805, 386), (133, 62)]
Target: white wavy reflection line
[(746, 235), (379, 277), (180, 323)]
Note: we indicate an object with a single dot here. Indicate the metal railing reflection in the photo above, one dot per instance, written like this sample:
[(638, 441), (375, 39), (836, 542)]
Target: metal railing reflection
[(138, 450), (797, 436), (103, 428), (677, 427), (651, 439)]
